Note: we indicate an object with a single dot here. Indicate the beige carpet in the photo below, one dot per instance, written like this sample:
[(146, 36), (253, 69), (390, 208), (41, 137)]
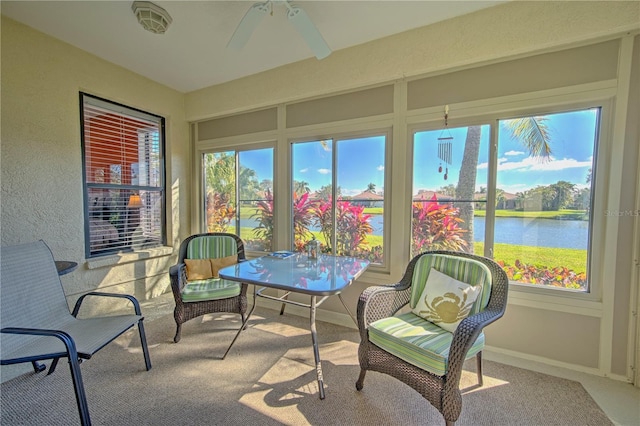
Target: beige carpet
[(268, 378)]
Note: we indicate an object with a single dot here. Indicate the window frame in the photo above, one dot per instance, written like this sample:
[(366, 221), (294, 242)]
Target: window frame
[(124, 110), (523, 105), (337, 134), (247, 144)]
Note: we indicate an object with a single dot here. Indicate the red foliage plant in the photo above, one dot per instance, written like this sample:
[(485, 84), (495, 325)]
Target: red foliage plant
[(436, 226), (557, 276), (220, 212)]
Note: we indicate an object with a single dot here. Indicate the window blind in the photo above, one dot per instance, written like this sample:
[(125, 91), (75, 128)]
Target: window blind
[(123, 177)]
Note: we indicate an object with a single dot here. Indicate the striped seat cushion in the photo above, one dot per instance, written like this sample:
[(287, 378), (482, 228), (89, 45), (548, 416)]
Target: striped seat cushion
[(209, 289), (417, 341), (210, 247)]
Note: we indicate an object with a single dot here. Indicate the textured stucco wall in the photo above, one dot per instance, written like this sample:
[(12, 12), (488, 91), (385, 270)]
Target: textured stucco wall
[(41, 154)]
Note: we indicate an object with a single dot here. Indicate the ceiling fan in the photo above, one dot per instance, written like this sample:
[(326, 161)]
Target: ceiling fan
[(296, 15)]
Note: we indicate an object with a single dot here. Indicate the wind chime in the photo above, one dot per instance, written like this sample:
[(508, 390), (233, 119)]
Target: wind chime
[(445, 145)]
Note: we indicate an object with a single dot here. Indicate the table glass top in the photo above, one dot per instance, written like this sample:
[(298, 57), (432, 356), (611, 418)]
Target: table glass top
[(323, 276)]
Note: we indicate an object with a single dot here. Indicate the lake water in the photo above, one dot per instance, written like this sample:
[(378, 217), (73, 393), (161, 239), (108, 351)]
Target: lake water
[(513, 230)]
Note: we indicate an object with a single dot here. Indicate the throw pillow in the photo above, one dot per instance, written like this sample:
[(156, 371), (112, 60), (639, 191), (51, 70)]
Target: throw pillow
[(219, 263), (446, 301), (198, 269)]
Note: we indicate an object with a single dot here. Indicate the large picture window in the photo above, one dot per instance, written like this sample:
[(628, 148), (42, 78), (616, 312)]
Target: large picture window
[(123, 161), (538, 223), (543, 198), (238, 195), (338, 195)]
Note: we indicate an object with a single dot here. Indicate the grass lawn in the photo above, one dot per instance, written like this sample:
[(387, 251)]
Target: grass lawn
[(560, 214), (246, 213), (574, 259)]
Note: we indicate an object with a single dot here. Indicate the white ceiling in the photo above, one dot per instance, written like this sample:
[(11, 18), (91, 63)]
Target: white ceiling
[(192, 54)]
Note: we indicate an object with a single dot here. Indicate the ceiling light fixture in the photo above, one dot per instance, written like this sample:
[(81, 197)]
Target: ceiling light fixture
[(152, 17)]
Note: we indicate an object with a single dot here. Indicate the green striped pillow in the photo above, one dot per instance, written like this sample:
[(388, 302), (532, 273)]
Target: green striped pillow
[(468, 271)]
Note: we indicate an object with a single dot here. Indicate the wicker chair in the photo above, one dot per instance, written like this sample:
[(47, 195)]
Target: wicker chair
[(382, 303), (194, 299)]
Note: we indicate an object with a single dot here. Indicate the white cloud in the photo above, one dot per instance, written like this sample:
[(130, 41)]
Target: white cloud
[(380, 168), (535, 164), (513, 188), (305, 170), (515, 153), (324, 171)]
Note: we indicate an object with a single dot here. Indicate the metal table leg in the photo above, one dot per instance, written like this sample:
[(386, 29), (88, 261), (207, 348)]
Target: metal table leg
[(244, 323), (316, 351), (355, 321), (284, 302)]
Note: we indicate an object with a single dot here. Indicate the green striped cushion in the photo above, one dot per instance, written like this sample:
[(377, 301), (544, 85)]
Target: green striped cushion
[(469, 271), (210, 289), (417, 341), (211, 247)]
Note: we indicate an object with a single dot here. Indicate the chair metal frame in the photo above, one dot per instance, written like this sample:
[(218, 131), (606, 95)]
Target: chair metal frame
[(71, 344)]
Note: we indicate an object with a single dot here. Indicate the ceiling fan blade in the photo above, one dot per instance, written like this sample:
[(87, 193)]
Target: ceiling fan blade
[(248, 24), (308, 31)]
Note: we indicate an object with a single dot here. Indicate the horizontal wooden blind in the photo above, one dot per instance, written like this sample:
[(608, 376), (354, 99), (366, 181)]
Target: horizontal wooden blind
[(124, 183)]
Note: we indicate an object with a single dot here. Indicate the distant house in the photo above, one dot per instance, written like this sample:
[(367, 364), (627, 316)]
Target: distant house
[(508, 201), (368, 199), (426, 195)]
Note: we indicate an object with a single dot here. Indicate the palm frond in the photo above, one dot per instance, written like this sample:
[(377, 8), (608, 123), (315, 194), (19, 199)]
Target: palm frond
[(533, 133)]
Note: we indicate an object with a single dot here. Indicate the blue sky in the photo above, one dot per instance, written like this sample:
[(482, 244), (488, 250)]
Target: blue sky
[(572, 144), (361, 161)]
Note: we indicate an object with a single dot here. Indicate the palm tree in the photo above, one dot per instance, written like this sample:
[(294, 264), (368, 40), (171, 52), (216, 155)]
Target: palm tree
[(531, 131), (371, 187), (467, 181), (301, 187), (325, 192)]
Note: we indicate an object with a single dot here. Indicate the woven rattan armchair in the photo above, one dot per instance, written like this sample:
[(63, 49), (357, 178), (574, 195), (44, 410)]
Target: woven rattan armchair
[(441, 389), (194, 299)]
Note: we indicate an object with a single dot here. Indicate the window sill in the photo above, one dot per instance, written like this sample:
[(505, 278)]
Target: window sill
[(555, 300), (120, 259)]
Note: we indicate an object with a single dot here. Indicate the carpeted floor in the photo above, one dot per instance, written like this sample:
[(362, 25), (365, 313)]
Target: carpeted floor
[(268, 378)]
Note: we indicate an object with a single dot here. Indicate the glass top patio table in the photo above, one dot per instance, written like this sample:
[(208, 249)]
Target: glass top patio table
[(323, 277)]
